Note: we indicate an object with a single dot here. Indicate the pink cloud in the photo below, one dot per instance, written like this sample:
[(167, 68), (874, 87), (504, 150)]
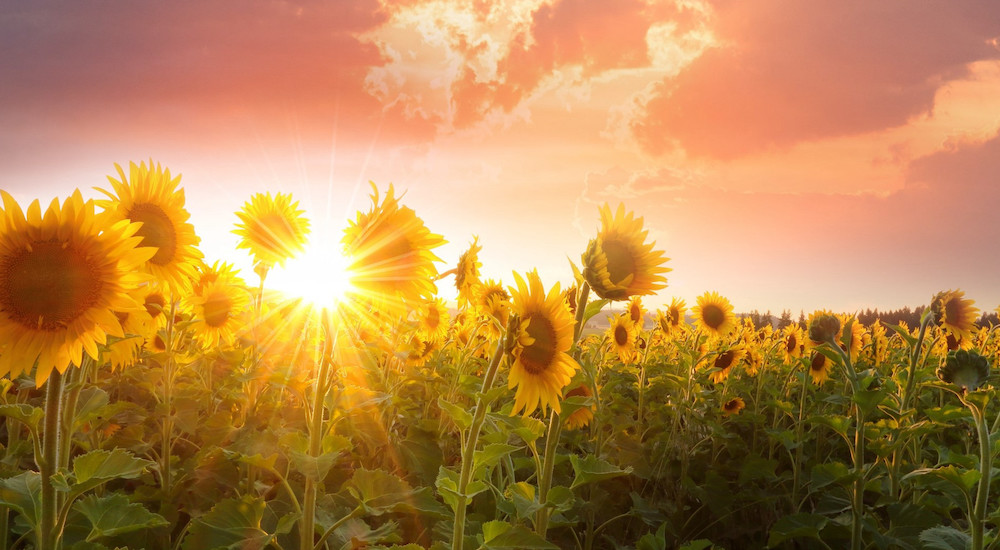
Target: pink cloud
[(787, 71)]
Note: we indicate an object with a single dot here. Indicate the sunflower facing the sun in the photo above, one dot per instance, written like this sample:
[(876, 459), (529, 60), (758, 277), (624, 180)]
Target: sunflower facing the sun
[(390, 248), (149, 195), (216, 307), (955, 313), (543, 335), (619, 263), (63, 275), (273, 228), (714, 314)]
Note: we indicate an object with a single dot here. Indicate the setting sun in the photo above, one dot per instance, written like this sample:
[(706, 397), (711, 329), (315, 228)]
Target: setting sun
[(319, 275)]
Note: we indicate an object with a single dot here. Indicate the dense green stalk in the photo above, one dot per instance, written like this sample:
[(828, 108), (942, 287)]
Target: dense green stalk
[(307, 527), (48, 533)]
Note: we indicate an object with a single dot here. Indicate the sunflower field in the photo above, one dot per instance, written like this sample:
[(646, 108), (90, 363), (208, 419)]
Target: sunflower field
[(151, 398)]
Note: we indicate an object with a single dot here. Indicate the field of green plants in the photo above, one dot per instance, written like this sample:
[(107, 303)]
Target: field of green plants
[(154, 399)]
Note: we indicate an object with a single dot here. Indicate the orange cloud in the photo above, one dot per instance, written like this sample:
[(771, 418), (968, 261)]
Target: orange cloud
[(787, 72)]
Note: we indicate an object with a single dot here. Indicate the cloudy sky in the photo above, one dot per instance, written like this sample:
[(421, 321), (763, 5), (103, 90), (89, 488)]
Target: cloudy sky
[(824, 154)]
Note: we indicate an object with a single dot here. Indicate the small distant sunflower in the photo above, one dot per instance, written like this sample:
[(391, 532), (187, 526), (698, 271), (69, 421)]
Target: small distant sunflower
[(636, 312), (391, 251), (218, 271), (793, 343), (217, 312), (725, 362), (493, 300), (581, 417), (621, 332), (541, 367), (433, 317), (149, 195), (420, 350), (820, 367), (619, 263), (572, 297), (955, 314), (63, 275), (273, 228), (880, 343), (467, 273), (714, 314), (672, 320), (857, 337), (733, 406)]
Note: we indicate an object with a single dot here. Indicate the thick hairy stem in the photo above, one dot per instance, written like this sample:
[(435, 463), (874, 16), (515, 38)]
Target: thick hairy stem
[(48, 532)]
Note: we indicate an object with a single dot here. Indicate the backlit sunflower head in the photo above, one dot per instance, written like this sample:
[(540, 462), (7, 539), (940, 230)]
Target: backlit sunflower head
[(63, 276), (671, 321), (217, 311), (955, 314), (391, 251), (433, 319), (493, 300), (467, 273), (542, 335), (273, 229), (714, 314), (964, 368), (819, 367), (636, 313), (622, 333), (619, 263), (149, 195), (857, 337)]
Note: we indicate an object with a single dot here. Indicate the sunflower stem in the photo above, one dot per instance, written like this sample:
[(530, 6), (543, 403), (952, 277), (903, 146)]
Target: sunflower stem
[(469, 448), (545, 479), (48, 532), (307, 527)]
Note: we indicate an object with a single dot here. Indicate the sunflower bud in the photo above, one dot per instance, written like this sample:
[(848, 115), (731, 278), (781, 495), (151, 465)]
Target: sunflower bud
[(824, 328), (964, 368)]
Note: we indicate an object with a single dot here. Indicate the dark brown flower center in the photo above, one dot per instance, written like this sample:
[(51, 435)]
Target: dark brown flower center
[(818, 362), (713, 316), (155, 303), (538, 357), (725, 359), (791, 343), (218, 308), (157, 230), (48, 286), (621, 335)]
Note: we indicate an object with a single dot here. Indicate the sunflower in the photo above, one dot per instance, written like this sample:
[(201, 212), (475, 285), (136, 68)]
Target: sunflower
[(467, 273), (858, 337), (621, 332), (724, 363), (149, 195), (123, 352), (216, 272), (733, 406), (819, 367), (217, 310), (433, 317), (418, 350), (793, 344), (619, 263), (880, 343), (63, 275), (824, 327), (955, 314), (391, 251), (672, 320), (714, 314), (582, 416), (273, 228), (493, 300), (636, 312), (543, 335)]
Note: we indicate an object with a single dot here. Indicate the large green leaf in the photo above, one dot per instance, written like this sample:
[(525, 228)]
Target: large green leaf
[(114, 515), (592, 469), (492, 454), (447, 486), (32, 416), (100, 466), (381, 492), (459, 415), (499, 535), (23, 493), (796, 526), (945, 538), (230, 524)]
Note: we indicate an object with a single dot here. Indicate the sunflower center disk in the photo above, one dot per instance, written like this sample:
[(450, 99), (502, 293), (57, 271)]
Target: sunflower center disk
[(388, 258), (725, 360), (621, 263), (621, 335), (538, 357), (217, 308), (713, 316), (274, 233), (157, 230), (48, 287)]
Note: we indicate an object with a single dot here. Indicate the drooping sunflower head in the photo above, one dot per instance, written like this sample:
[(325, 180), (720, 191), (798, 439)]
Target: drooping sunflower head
[(619, 263), (543, 336), (63, 276), (391, 251), (955, 314), (733, 406), (793, 344), (857, 336), (581, 417), (493, 300), (467, 273), (824, 327), (880, 343), (273, 229), (151, 196), (964, 368), (636, 312), (622, 334), (714, 314)]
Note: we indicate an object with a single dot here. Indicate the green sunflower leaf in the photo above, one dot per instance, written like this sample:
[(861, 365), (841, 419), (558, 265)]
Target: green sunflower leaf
[(114, 515), (592, 469)]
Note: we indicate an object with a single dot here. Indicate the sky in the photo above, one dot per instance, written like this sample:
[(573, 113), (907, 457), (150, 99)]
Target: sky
[(788, 154)]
